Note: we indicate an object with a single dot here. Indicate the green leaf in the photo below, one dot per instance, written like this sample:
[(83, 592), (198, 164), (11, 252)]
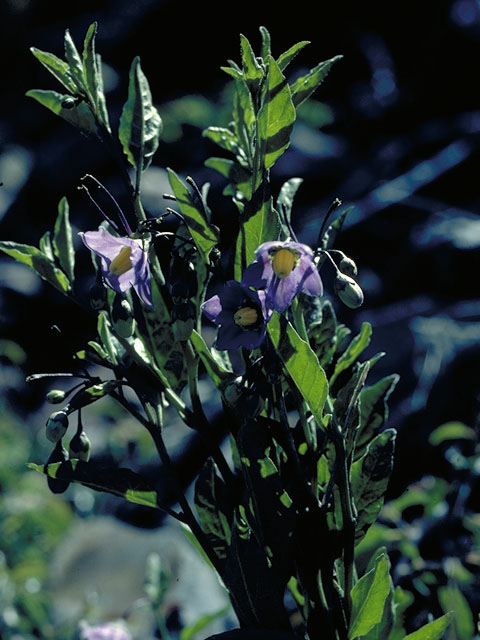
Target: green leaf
[(354, 349), (401, 601), (118, 481), (266, 42), (243, 116), (57, 68), (63, 241), (287, 56), (306, 85), (189, 632), (433, 630), (93, 76), (217, 373), (382, 630), (301, 363), (75, 64), (45, 245), (369, 478), (240, 177), (225, 138), (140, 123), (368, 599), (276, 116), (204, 234), (452, 599), (451, 431), (323, 335), (252, 71), (373, 411), (286, 196), (104, 331), (214, 511), (77, 113), (38, 261)]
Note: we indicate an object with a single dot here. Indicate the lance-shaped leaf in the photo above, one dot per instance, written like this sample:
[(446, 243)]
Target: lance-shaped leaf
[(368, 599), (276, 116), (216, 371), (373, 411), (266, 42), (121, 482), (204, 234), (287, 56), (92, 71), (239, 177), (433, 630), (452, 599), (243, 117), (225, 138), (38, 261), (140, 123), (214, 511), (105, 333), (354, 349), (286, 196), (75, 64), (302, 365), (323, 334), (304, 87), (252, 71), (382, 630), (369, 480), (57, 67), (63, 241), (77, 113)]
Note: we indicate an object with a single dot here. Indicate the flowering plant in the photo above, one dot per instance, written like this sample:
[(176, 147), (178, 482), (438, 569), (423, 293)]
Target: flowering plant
[(281, 517)]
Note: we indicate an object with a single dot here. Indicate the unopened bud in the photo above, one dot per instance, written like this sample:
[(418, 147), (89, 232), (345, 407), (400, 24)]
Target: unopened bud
[(348, 267), (79, 446), (57, 425), (59, 454), (122, 317), (348, 291), (55, 396)]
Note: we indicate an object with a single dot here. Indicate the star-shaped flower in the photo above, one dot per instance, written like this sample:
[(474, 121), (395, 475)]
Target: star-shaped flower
[(283, 269), (241, 315), (123, 260)]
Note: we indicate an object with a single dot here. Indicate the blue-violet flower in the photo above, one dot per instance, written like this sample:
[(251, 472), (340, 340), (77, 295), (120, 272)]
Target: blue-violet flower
[(241, 315), (283, 269), (124, 262), (106, 631)]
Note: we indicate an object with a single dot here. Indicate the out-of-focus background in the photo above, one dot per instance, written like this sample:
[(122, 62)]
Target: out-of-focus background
[(394, 131)]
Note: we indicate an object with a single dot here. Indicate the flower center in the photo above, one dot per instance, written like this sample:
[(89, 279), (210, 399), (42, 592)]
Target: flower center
[(283, 262), (245, 317), (122, 263)]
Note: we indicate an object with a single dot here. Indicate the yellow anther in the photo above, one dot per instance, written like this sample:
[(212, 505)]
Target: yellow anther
[(283, 262), (122, 263), (245, 316)]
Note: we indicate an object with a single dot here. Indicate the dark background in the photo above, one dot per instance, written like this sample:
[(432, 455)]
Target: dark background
[(402, 146)]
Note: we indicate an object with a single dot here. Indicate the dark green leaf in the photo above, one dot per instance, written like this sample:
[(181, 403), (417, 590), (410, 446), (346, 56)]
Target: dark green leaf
[(93, 76), (306, 85), (243, 116), (75, 64), (77, 113), (287, 56), (225, 138), (373, 411), (433, 630), (302, 365), (369, 478), (105, 333), (218, 374), (57, 68), (276, 116), (45, 245), (354, 349), (118, 481), (286, 196), (204, 234), (368, 599), (323, 336), (140, 123), (62, 240), (240, 177)]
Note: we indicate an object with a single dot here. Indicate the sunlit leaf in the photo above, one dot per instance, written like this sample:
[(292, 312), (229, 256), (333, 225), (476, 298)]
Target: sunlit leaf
[(62, 240), (75, 63), (451, 431), (304, 86), (433, 630), (57, 68), (93, 76), (354, 349), (368, 599), (76, 112)]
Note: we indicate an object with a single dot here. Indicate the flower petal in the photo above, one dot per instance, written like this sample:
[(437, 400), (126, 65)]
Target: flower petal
[(311, 283), (212, 308)]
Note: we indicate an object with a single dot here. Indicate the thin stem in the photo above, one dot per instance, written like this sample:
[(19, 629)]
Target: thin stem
[(121, 215)]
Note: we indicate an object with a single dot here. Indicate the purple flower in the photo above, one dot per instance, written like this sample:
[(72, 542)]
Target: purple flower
[(107, 631), (283, 269), (241, 315), (124, 262)]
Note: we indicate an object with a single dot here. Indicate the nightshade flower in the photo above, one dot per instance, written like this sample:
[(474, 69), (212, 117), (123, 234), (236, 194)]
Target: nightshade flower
[(241, 315), (123, 260), (283, 269)]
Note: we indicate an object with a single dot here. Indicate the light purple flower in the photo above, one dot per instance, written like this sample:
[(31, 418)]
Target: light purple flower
[(107, 631), (123, 260), (283, 269), (241, 315)]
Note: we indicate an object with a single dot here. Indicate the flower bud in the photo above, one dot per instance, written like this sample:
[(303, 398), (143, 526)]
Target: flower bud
[(79, 446), (55, 396), (348, 267), (59, 454), (57, 425), (122, 317), (348, 291)]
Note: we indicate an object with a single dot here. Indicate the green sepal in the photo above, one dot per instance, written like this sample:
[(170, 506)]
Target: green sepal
[(77, 113), (304, 86), (118, 481), (140, 122), (369, 480), (368, 598), (63, 241)]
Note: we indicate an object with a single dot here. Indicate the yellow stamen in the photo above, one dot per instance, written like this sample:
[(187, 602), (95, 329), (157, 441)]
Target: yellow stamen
[(283, 263), (245, 316), (122, 263)]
